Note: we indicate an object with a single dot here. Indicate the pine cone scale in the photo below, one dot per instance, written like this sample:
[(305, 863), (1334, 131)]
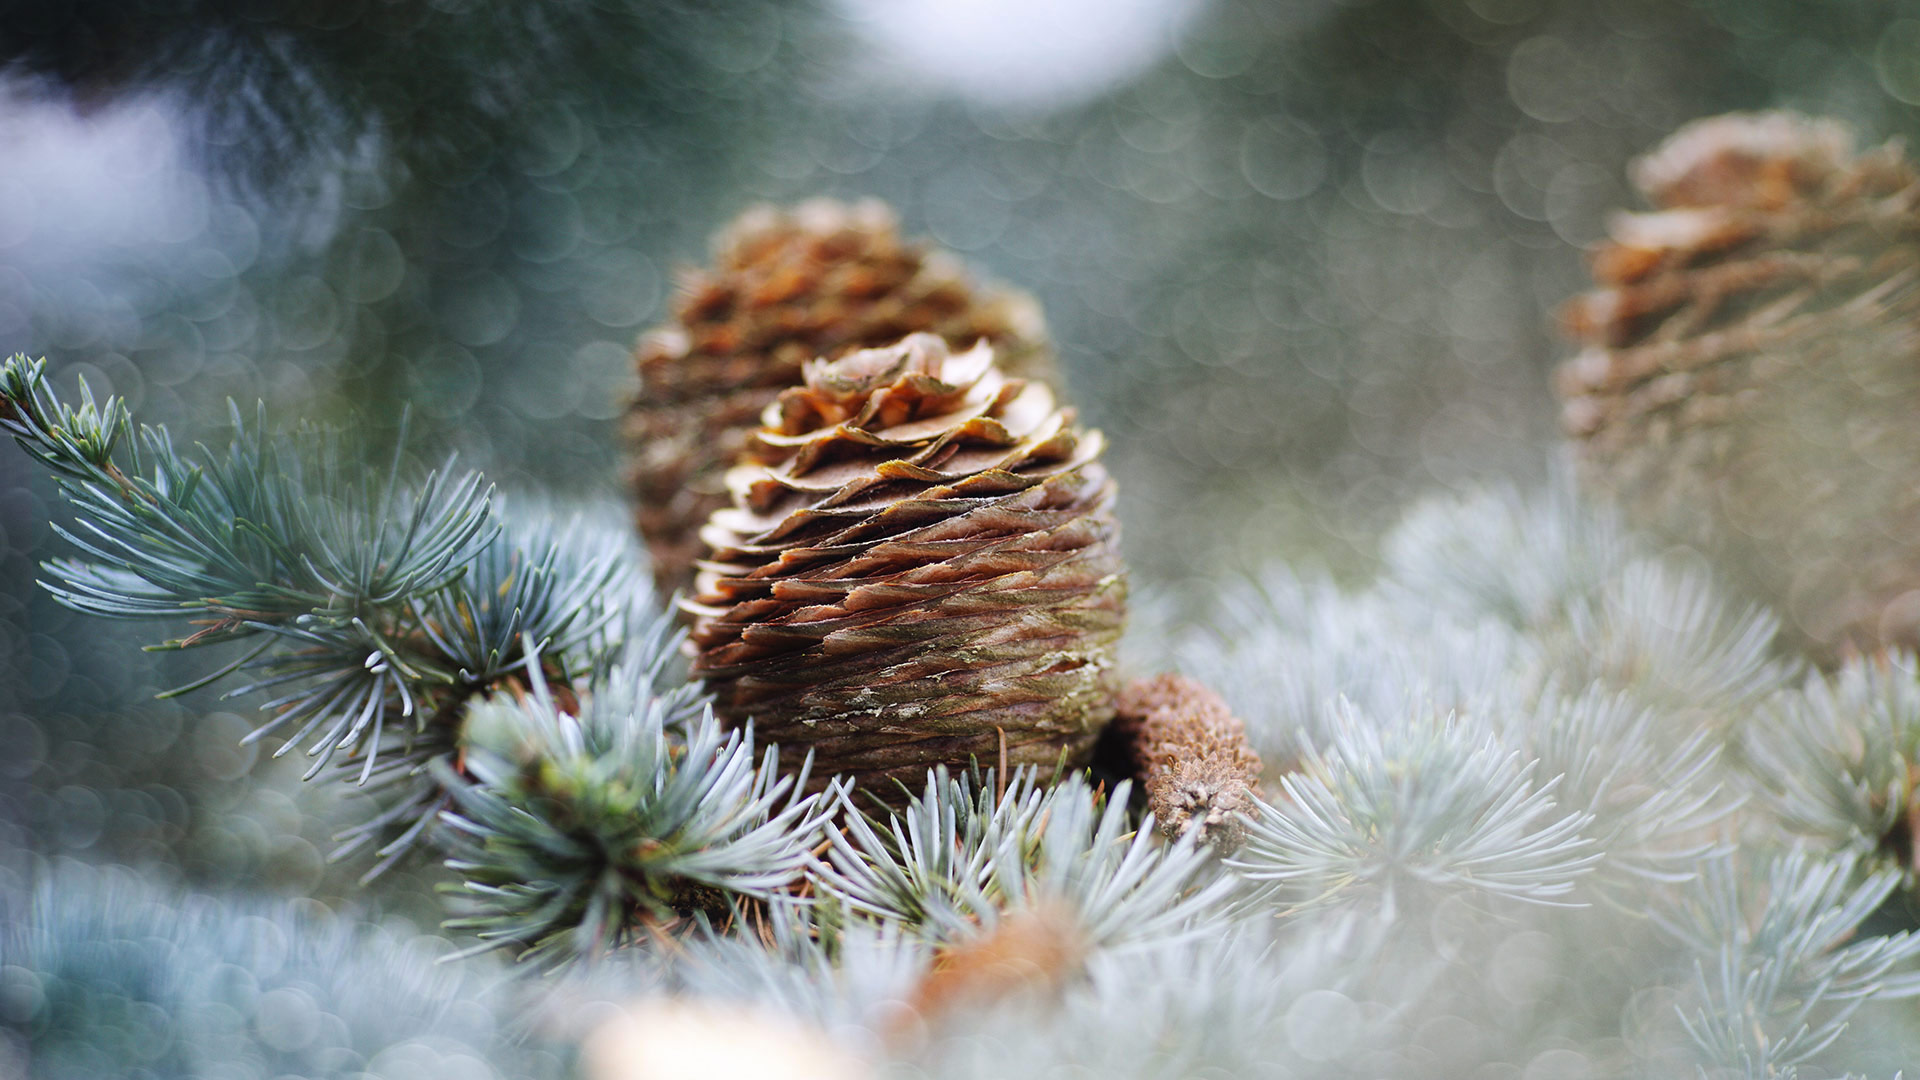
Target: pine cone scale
[(965, 524), (1052, 632), (872, 631)]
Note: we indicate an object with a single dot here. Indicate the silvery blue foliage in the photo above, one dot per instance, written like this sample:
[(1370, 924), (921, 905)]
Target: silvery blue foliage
[(1385, 812), (369, 608), (1780, 967), (1519, 558), (1837, 755), (1653, 799), (576, 830), (1486, 770), (570, 596), (960, 855), (1479, 792), (106, 975), (1251, 1001)]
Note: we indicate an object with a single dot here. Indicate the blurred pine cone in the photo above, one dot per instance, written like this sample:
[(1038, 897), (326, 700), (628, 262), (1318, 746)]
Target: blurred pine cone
[(787, 287), (1751, 378), (921, 568)]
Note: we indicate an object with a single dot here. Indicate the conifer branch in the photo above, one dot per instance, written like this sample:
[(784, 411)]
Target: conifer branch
[(371, 609), (589, 828), (959, 856), (1839, 758), (1779, 963), (1656, 801), (1386, 811)]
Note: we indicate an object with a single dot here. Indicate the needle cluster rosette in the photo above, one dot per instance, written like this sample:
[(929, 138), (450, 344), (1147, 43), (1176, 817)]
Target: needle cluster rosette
[(1751, 372), (919, 567), (785, 287)]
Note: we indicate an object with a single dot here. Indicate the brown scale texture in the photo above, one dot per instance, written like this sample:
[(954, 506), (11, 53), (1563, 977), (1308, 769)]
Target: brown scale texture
[(1751, 373), (1191, 754), (921, 567), (786, 287)]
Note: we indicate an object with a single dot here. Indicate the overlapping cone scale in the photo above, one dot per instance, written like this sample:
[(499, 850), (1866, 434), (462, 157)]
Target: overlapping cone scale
[(787, 287), (1751, 371), (918, 566)]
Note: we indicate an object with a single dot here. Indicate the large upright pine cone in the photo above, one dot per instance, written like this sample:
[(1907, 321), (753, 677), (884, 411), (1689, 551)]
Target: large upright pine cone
[(1751, 377), (921, 568), (820, 280)]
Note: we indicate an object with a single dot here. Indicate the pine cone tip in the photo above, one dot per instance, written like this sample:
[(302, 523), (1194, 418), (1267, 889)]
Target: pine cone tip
[(1760, 160)]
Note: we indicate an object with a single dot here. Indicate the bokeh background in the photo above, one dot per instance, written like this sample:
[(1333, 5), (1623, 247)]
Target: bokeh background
[(1302, 258)]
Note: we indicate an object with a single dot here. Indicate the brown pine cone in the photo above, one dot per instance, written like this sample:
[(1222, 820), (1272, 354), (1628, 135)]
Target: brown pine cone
[(1751, 375), (921, 569), (1191, 754), (787, 287)]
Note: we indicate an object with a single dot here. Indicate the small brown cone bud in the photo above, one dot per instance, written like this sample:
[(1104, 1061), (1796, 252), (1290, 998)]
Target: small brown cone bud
[(1751, 375), (921, 568), (1191, 754), (785, 288), (1032, 951)]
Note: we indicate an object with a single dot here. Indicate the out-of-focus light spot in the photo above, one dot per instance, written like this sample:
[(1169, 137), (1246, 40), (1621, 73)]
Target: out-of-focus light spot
[(1896, 60), (306, 313), (218, 749), (1282, 158), (1321, 1024), (963, 211), (1031, 53), (1401, 177), (549, 227), (624, 289), (1538, 79), (1559, 1064), (376, 266), (537, 393), (552, 144), (444, 381), (1579, 198), (1505, 12), (1523, 966), (1524, 171), (173, 350), (479, 311), (604, 372), (287, 1018)]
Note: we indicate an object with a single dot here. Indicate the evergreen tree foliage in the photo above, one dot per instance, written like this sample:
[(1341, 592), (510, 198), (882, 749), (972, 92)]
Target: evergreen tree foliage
[(1542, 799), (1542, 796), (580, 832), (109, 975), (370, 610)]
